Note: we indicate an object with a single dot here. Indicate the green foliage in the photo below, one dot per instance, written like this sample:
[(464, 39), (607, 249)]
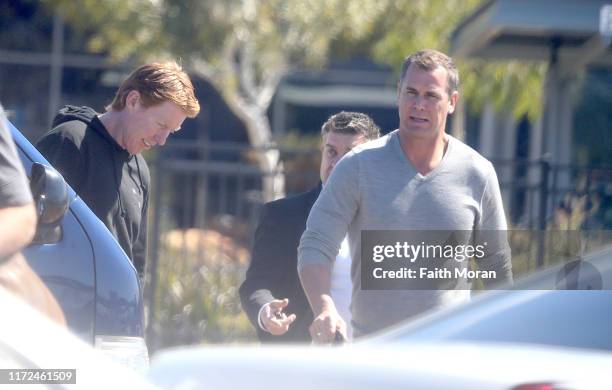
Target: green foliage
[(407, 26), (197, 297), (115, 27), (260, 40), (511, 86), (417, 24)]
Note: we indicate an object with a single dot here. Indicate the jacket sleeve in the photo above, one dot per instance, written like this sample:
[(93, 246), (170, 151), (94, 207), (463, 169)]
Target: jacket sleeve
[(268, 262), (65, 156), (139, 249)]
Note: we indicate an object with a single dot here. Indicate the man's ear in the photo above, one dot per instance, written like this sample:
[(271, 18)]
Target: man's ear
[(132, 100), (452, 102)]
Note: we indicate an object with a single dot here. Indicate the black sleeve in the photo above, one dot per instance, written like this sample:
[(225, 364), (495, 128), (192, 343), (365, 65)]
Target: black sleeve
[(65, 156), (266, 269), (139, 249)]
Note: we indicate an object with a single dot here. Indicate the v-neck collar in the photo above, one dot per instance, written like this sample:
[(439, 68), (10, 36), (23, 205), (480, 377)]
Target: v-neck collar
[(397, 145)]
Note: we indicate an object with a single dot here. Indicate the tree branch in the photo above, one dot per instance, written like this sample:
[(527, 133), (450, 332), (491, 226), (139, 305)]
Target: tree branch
[(268, 88), (247, 72)]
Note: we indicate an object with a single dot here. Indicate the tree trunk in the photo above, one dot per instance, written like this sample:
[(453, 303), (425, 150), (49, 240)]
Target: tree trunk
[(254, 116), (268, 156)]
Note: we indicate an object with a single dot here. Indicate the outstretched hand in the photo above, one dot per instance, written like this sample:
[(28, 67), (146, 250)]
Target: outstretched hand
[(274, 319)]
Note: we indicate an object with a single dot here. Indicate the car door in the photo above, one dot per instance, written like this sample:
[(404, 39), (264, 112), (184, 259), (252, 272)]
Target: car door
[(66, 265)]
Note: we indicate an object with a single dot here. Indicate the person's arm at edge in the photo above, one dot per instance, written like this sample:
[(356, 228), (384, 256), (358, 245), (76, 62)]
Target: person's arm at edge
[(18, 233), (17, 211), (18, 221)]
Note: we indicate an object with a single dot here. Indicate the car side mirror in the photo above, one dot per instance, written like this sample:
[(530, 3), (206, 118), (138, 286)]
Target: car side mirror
[(51, 199)]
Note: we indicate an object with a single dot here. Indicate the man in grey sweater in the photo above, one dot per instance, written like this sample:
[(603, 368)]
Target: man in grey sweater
[(415, 178)]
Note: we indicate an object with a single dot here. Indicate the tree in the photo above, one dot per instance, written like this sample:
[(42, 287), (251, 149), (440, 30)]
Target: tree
[(245, 47), (404, 26)]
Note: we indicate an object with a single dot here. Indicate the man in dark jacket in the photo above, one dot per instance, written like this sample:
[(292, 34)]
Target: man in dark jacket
[(99, 154), (272, 295)]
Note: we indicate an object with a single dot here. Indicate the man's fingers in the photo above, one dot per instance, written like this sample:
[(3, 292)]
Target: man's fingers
[(276, 309), (324, 327), (321, 336), (341, 330), (268, 316), (320, 332), (330, 327), (285, 321), (278, 304), (279, 325), (315, 333), (341, 326)]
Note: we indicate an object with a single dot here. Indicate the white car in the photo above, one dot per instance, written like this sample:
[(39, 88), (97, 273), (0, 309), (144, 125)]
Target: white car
[(419, 366), (28, 341), (533, 338)]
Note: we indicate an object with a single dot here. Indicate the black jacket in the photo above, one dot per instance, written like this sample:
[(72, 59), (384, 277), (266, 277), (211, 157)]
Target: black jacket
[(114, 184), (272, 273)]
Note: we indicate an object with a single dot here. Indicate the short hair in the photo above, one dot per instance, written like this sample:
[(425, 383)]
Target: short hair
[(351, 123), (429, 60), (156, 83)]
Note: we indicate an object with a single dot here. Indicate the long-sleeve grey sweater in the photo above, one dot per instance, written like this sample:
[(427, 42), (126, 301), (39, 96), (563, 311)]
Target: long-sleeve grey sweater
[(375, 187)]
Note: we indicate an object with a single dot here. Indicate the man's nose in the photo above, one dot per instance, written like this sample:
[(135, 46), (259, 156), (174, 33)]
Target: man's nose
[(419, 103)]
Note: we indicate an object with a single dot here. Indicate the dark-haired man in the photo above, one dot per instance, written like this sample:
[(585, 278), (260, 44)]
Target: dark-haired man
[(272, 295), (415, 178)]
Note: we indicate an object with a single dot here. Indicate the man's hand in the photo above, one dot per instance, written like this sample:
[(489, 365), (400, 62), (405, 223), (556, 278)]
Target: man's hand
[(324, 327), (274, 320), (316, 281)]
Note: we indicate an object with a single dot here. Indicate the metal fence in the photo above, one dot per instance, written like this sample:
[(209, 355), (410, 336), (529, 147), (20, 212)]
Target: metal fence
[(204, 210)]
